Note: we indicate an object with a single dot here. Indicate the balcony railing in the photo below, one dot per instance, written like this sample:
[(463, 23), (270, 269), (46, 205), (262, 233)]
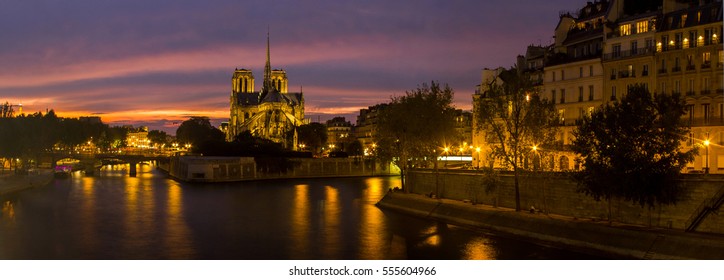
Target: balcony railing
[(662, 71), (701, 121), (689, 93), (629, 53), (690, 67), (675, 69), (706, 65), (705, 92), (644, 73)]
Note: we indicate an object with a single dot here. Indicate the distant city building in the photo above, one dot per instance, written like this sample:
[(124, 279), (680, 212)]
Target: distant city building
[(464, 129), (138, 138), (272, 113), (366, 128), (91, 119), (339, 133)]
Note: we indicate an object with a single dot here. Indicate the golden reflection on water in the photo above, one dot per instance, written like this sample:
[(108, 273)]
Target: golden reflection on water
[(432, 236), (300, 222), (87, 211), (332, 229), (372, 223), (177, 231), (131, 226), (8, 212), (477, 249)]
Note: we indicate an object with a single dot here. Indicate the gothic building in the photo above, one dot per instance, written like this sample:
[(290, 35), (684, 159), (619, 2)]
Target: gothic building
[(272, 113)]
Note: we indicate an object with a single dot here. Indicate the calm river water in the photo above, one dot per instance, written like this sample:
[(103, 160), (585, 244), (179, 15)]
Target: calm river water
[(113, 216)]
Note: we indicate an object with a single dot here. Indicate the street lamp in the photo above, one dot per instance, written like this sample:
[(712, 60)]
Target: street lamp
[(477, 150), (706, 144)]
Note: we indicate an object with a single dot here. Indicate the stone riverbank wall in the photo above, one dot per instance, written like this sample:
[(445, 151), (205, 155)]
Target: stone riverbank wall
[(615, 241), (556, 193), (232, 169)]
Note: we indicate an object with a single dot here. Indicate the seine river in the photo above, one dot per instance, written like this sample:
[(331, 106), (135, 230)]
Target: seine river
[(113, 216)]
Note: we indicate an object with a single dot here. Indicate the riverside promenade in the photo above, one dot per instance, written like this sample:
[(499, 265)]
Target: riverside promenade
[(10, 183), (609, 240)]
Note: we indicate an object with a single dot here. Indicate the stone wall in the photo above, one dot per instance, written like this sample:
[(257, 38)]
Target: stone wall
[(230, 169), (556, 193)]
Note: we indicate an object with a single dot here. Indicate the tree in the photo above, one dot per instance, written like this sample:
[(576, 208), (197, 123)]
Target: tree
[(413, 128), (515, 119), (632, 149), (197, 130), (6, 110), (158, 137), (313, 136)]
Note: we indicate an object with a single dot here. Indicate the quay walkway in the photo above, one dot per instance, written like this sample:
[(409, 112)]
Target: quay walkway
[(613, 240), (10, 183)]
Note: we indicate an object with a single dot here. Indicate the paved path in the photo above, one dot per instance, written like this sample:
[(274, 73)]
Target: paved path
[(12, 183), (596, 237)]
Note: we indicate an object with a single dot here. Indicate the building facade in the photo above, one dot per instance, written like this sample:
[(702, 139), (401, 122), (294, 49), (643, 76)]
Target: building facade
[(690, 62), (607, 46), (272, 113)]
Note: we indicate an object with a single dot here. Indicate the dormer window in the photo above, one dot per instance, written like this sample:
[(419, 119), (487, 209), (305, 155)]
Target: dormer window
[(625, 29), (642, 27)]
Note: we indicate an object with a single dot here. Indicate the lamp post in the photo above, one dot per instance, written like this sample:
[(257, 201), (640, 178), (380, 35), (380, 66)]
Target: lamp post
[(706, 144)]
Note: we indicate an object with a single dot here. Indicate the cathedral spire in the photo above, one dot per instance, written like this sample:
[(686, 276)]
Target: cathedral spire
[(267, 69)]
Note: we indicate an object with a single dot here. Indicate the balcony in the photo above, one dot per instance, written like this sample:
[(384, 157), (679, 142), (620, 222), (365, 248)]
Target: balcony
[(690, 93), (690, 67), (701, 121), (662, 71), (644, 73), (676, 69), (705, 92), (629, 53), (613, 76), (706, 65)]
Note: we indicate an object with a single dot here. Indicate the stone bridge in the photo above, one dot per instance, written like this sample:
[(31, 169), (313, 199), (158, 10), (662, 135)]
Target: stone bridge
[(93, 161)]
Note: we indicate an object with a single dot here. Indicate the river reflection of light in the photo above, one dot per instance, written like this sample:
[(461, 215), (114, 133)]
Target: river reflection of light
[(372, 222), (177, 232), (431, 236), (300, 222), (8, 212), (478, 249), (332, 216), (87, 213)]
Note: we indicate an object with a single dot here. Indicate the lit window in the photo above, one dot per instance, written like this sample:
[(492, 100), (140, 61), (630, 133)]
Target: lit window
[(642, 26), (625, 29)]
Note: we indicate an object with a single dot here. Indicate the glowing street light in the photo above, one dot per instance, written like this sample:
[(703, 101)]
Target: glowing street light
[(706, 169)]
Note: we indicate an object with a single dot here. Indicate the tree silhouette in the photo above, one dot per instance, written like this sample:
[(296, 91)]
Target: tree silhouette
[(413, 128), (515, 119), (631, 149)]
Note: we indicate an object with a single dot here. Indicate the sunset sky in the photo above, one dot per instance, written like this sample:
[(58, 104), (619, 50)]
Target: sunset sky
[(156, 63)]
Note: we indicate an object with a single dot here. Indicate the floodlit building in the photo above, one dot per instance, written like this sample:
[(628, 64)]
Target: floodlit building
[(339, 133), (690, 62), (272, 113), (602, 49)]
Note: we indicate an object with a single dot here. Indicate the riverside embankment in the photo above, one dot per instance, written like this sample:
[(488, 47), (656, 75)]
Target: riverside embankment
[(583, 235), (14, 183)]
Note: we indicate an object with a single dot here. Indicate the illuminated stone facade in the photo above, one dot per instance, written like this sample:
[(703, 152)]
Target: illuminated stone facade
[(272, 113), (609, 45)]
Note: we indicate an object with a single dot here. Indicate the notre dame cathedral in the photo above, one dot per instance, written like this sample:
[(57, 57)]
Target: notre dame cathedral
[(272, 113)]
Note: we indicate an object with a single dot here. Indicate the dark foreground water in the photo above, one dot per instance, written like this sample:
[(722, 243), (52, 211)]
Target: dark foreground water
[(113, 216)]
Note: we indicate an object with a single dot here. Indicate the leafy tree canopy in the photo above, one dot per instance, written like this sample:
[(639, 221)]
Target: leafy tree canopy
[(631, 149), (514, 119), (197, 130), (313, 136), (413, 128)]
